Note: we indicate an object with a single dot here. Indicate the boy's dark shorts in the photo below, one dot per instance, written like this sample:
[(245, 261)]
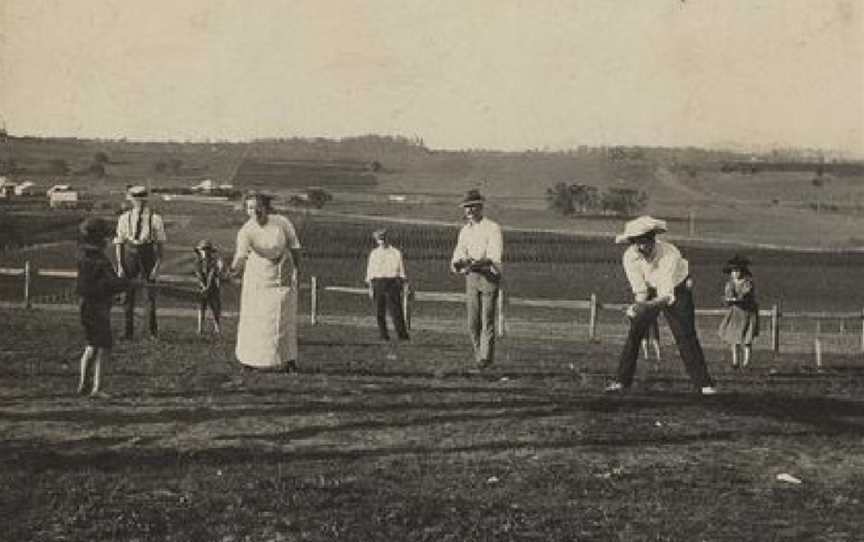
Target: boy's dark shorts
[(96, 319)]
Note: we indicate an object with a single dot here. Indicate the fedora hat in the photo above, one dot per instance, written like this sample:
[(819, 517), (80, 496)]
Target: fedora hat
[(380, 233), (472, 197), (737, 262), (639, 227), (94, 229), (137, 191)]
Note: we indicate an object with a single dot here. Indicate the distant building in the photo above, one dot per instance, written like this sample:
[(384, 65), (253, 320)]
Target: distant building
[(7, 189), (62, 195), (27, 188)]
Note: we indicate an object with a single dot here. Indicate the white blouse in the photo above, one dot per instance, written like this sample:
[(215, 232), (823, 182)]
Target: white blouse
[(270, 241)]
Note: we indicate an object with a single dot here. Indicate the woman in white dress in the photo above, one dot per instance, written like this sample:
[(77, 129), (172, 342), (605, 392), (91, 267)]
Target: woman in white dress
[(268, 255)]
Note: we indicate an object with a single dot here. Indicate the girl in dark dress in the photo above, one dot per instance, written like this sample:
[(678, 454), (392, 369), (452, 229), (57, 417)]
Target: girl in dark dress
[(97, 285), (741, 323)]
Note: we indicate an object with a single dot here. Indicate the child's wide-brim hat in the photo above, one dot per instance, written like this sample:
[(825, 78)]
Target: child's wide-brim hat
[(639, 227), (737, 262), (94, 229), (204, 244), (472, 198)]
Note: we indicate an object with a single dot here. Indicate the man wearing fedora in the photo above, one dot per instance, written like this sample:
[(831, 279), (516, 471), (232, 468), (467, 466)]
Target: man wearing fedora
[(660, 280), (478, 255), (138, 246)]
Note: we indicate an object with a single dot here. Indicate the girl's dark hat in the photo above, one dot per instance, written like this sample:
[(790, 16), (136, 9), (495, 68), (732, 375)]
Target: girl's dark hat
[(204, 244), (94, 229), (736, 262), (472, 197)]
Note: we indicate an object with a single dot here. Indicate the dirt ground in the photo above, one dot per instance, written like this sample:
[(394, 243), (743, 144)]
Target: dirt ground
[(376, 442)]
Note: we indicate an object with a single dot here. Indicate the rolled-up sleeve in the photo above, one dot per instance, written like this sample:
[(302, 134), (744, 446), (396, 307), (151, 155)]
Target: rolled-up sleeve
[(122, 232), (461, 251), (371, 265), (495, 246), (635, 275), (158, 233), (672, 269)]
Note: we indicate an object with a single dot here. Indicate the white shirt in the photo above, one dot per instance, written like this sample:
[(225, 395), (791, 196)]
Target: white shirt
[(152, 227), (385, 263), (663, 272), (480, 240)]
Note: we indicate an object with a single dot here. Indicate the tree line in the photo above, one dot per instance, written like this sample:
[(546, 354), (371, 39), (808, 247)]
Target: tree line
[(582, 199)]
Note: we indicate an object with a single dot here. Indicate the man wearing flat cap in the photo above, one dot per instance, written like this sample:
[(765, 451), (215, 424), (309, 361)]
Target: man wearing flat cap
[(478, 254), (138, 246), (660, 279)]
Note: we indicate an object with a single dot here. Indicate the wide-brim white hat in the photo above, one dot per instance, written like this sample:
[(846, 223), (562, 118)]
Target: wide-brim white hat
[(640, 226)]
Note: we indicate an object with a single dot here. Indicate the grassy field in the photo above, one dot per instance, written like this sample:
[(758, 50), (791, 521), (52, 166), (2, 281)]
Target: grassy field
[(368, 442)]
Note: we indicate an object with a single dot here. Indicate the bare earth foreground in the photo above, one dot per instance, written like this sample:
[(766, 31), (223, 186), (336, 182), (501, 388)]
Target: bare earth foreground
[(372, 443)]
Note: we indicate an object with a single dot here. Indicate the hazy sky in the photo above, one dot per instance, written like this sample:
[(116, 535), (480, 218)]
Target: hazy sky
[(500, 74)]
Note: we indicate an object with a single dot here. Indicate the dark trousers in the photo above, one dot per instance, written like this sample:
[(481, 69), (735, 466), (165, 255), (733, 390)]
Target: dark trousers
[(211, 298), (138, 261), (387, 297), (681, 317)]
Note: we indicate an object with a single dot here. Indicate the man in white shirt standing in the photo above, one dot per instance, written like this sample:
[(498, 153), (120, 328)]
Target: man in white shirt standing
[(478, 255), (138, 246), (660, 279), (385, 275)]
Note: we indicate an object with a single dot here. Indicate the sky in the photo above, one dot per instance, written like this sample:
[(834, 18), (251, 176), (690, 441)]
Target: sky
[(460, 74)]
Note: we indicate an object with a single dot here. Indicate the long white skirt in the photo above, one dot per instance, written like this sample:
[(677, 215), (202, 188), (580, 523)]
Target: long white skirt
[(267, 331)]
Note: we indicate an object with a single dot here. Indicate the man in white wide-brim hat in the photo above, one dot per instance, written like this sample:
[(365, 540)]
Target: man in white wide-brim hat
[(138, 241), (660, 279)]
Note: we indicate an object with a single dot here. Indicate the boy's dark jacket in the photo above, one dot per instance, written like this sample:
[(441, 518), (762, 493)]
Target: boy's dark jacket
[(97, 280), (207, 270)]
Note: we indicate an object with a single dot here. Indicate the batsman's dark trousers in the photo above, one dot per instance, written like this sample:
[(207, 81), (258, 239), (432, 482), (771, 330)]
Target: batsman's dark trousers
[(387, 297), (138, 261), (681, 316)]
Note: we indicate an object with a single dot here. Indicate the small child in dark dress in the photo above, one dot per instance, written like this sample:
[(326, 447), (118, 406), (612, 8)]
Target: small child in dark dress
[(98, 283), (740, 325), (209, 269)]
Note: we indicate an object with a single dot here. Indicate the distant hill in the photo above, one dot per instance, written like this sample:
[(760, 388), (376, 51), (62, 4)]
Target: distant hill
[(373, 162)]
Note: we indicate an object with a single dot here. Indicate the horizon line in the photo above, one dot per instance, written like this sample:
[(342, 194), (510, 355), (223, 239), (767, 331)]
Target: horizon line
[(731, 147)]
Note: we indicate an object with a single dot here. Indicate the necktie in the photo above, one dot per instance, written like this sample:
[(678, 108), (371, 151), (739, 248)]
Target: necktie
[(138, 225)]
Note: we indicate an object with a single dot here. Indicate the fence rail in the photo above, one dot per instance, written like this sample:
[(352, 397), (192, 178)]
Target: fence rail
[(592, 305)]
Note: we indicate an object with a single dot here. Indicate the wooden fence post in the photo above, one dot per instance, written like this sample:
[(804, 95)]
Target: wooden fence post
[(501, 319), (27, 284), (313, 301), (775, 329), (406, 304), (817, 347), (592, 318), (862, 330)]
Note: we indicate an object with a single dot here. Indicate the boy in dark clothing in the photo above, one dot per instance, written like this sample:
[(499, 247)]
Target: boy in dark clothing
[(208, 270), (97, 285)]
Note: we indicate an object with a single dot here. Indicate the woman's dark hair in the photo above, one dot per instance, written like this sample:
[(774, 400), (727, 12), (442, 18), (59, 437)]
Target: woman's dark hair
[(263, 199)]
